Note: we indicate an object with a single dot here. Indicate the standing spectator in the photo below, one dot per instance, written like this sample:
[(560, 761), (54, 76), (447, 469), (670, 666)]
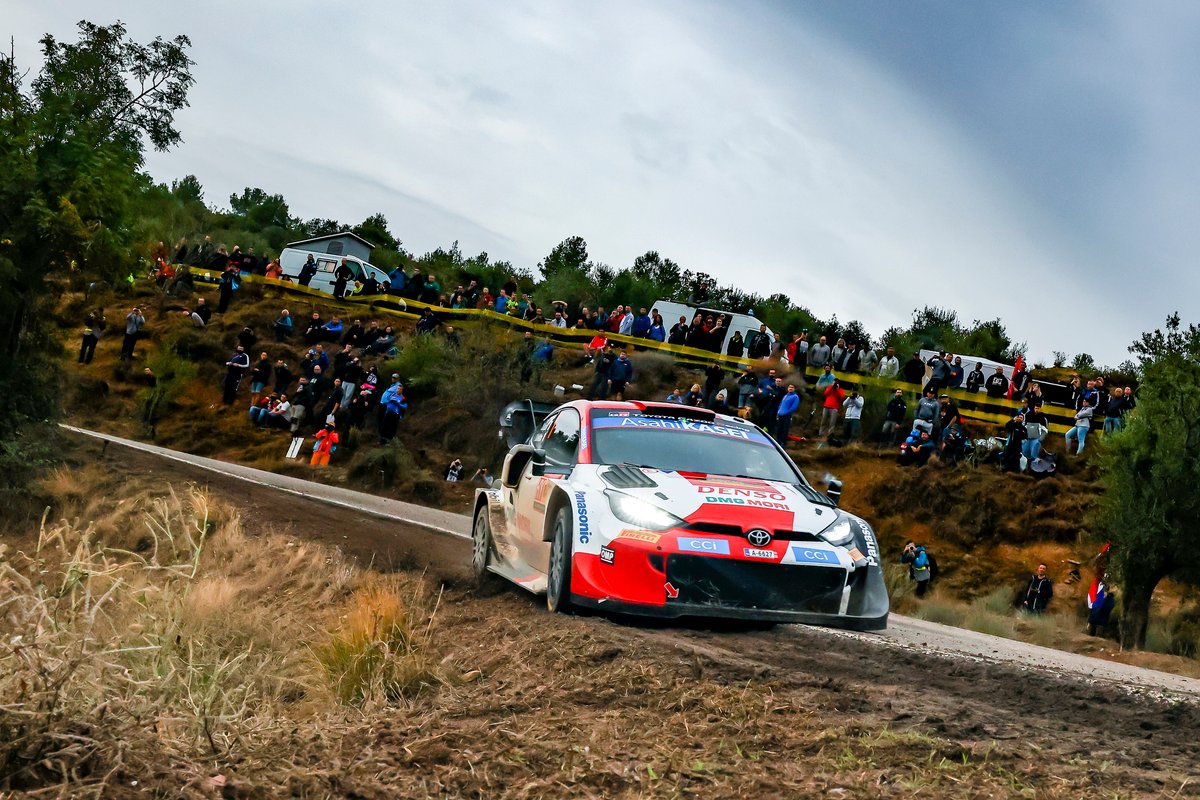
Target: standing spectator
[(893, 418), (315, 331), (559, 322), (283, 377), (948, 416), (658, 331), (737, 346), (1037, 425), (625, 328), (392, 406), (92, 327), (1083, 421), (341, 276), (798, 351), (975, 378), (133, 328), (283, 326), (833, 398), (225, 289), (260, 376), (997, 384), (640, 327), (759, 344), (939, 371), (955, 375), (679, 331), (714, 373), (1039, 592), (853, 423), (837, 354), (819, 353), (602, 370), (889, 365), (826, 379), (849, 361), (788, 405), (869, 359), (914, 369), (308, 271), (747, 382), (621, 375), (1114, 416), (235, 367)]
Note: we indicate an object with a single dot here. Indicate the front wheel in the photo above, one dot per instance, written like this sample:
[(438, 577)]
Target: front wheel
[(482, 549), (558, 571)]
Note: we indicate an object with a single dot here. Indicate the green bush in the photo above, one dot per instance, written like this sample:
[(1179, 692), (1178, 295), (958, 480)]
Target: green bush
[(173, 372), (424, 363), (1183, 632)]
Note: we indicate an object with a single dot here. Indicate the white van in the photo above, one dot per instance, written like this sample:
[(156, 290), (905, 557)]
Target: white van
[(292, 261), (745, 324)]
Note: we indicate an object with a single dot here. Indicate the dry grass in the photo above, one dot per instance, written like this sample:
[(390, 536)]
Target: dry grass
[(197, 645)]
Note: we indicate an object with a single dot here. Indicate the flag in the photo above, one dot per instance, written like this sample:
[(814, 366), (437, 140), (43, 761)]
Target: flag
[(1020, 365)]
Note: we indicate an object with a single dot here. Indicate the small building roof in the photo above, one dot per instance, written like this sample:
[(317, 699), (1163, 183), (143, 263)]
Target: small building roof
[(328, 236)]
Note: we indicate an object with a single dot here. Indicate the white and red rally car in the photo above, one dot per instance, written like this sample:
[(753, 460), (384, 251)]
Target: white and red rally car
[(669, 510)]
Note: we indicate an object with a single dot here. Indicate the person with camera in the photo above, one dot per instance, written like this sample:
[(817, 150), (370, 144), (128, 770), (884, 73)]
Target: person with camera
[(134, 321), (834, 396), (852, 425), (921, 566), (454, 471)]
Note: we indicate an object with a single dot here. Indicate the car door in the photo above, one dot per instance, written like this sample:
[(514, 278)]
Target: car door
[(559, 437)]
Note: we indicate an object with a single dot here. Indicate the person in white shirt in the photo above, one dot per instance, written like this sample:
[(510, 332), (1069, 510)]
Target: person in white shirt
[(889, 365), (853, 424)]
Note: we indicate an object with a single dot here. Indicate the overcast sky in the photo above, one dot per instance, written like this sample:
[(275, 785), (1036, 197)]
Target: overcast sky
[(1031, 161)]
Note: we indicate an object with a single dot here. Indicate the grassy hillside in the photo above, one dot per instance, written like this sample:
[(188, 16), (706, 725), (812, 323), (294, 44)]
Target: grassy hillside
[(987, 529)]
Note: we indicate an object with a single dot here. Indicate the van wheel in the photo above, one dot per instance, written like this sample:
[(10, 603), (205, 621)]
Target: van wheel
[(558, 571)]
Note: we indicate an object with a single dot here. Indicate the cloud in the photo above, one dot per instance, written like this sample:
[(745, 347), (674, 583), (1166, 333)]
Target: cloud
[(741, 141)]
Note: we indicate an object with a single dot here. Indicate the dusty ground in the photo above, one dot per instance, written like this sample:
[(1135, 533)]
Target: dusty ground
[(587, 706)]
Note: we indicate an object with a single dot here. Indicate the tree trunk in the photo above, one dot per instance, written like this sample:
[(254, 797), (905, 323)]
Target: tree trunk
[(1135, 614)]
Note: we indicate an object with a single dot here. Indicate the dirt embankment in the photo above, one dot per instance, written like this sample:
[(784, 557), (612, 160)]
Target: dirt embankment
[(589, 706)]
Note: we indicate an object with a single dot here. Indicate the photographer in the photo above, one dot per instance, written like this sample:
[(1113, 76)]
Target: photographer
[(921, 566), (834, 396), (134, 321), (454, 471), (853, 423)]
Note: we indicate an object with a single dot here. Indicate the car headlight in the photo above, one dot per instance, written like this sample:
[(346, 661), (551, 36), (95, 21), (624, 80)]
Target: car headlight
[(840, 533), (641, 514)]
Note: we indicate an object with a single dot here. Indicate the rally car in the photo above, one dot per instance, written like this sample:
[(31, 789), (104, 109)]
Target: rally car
[(669, 510)]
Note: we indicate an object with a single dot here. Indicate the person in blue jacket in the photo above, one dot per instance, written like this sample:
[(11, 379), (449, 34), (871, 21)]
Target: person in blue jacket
[(783, 415), (620, 375), (641, 324), (921, 566)]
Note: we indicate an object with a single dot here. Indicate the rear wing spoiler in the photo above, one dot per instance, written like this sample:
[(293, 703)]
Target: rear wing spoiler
[(520, 419)]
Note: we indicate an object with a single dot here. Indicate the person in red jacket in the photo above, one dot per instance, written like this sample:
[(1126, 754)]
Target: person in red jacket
[(829, 410), (326, 443)]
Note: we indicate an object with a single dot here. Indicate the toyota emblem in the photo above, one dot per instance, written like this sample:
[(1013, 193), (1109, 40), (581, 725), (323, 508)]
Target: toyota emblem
[(758, 537)]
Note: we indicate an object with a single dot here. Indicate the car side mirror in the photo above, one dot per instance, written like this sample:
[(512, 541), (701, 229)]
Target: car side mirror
[(514, 465), (834, 491)]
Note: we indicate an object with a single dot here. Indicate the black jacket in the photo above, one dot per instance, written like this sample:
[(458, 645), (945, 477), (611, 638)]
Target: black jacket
[(997, 386), (897, 409), (758, 345)]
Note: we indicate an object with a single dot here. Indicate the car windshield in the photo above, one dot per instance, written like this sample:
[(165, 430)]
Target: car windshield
[(687, 445)]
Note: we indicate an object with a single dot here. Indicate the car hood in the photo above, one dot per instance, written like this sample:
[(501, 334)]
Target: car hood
[(722, 500)]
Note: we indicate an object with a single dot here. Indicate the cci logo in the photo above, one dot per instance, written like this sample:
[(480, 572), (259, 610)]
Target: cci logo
[(758, 537), (715, 546), (809, 555)]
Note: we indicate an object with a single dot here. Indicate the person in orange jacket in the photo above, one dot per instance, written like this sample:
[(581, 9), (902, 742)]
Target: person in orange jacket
[(325, 445)]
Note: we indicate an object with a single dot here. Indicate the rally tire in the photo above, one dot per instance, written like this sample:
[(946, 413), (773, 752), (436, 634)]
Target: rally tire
[(558, 571), (483, 552)]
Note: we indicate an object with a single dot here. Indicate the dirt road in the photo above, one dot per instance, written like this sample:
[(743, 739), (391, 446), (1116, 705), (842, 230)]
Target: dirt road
[(1070, 715)]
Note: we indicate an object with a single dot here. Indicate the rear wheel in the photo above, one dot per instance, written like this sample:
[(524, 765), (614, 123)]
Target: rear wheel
[(558, 571)]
